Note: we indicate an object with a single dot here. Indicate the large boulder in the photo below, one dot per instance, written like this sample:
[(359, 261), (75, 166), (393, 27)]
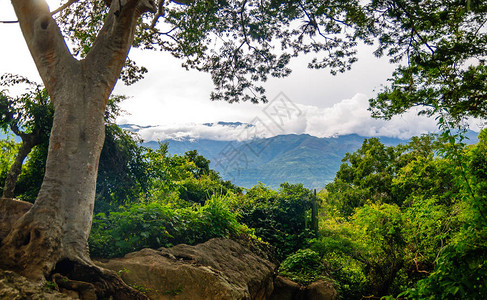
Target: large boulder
[(216, 269), (320, 290), (285, 289)]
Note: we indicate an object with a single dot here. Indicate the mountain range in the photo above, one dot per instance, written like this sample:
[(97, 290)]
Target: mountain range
[(292, 158)]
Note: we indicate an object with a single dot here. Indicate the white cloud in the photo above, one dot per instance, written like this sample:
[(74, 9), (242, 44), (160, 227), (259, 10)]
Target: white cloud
[(351, 116), (346, 117), (192, 131)]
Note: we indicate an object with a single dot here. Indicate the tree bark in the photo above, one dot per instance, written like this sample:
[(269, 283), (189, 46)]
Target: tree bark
[(29, 141), (56, 229)]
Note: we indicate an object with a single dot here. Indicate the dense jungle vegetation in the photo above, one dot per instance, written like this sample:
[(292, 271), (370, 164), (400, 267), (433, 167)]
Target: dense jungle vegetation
[(405, 221)]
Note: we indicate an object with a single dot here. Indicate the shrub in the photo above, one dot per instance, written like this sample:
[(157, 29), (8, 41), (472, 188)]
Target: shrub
[(304, 266)]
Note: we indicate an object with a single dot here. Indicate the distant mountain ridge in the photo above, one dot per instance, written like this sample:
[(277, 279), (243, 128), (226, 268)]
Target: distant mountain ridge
[(304, 159)]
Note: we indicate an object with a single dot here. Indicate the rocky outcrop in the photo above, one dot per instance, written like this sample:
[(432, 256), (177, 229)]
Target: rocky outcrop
[(285, 289), (217, 269)]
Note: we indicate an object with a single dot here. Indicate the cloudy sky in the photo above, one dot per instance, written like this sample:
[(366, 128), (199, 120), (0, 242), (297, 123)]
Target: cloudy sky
[(177, 102)]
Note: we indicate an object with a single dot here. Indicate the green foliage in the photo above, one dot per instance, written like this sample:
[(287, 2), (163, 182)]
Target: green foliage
[(154, 225), (304, 266), (30, 180), (201, 164), (425, 236), (8, 148), (461, 270), (364, 254), (185, 179), (426, 177), (365, 175), (460, 273), (122, 175), (30, 113), (29, 116), (199, 190), (444, 43), (380, 228), (340, 254), (379, 174)]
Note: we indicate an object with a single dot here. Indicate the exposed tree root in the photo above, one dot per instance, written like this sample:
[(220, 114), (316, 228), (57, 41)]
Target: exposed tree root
[(30, 249)]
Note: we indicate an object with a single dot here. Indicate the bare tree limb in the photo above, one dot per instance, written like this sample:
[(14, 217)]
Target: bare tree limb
[(44, 40), (160, 13), (63, 7)]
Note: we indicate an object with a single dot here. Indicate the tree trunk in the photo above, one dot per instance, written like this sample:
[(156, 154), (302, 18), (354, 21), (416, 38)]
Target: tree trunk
[(58, 225), (28, 142), (53, 234)]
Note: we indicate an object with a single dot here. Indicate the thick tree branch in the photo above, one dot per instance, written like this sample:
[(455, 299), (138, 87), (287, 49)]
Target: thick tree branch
[(15, 129), (106, 58), (44, 40)]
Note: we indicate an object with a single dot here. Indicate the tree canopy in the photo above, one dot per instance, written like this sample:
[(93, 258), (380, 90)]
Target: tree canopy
[(439, 45), (240, 43), (442, 46)]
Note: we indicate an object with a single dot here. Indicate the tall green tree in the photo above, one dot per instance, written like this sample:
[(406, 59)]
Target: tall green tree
[(460, 269), (428, 242)]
